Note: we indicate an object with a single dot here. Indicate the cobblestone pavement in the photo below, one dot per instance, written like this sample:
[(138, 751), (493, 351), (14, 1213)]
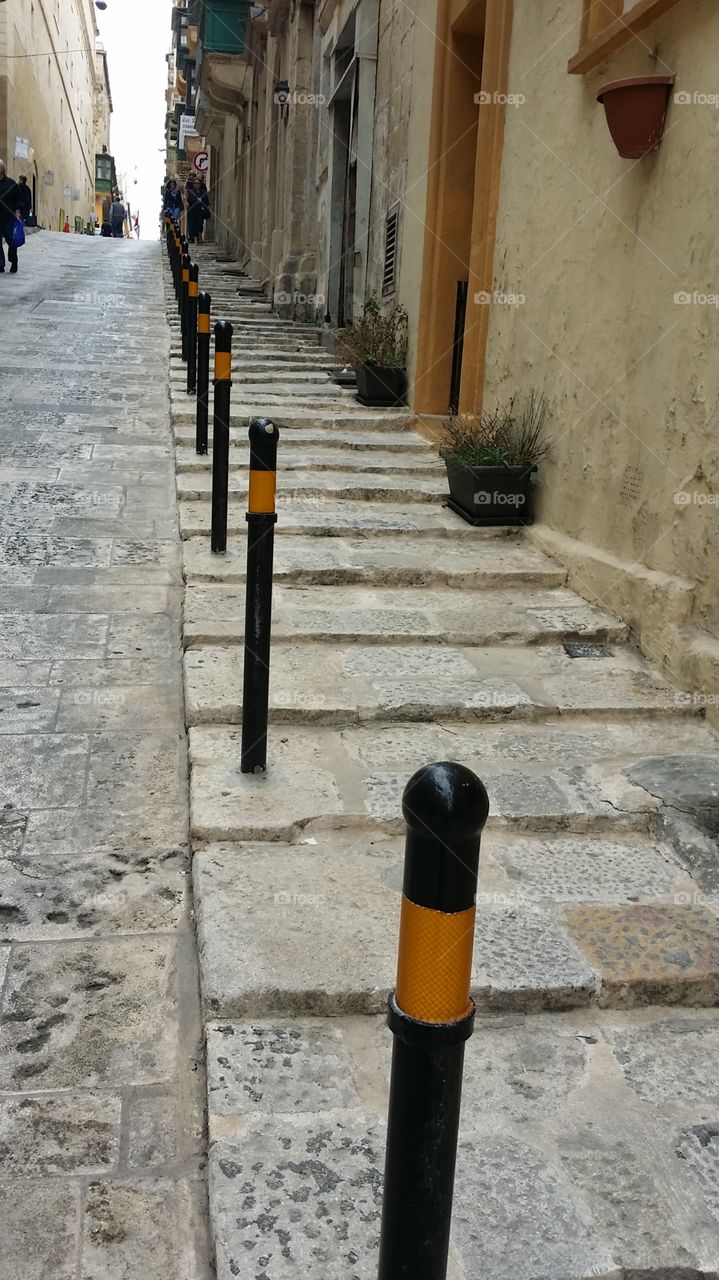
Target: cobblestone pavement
[(101, 1069), (590, 1135)]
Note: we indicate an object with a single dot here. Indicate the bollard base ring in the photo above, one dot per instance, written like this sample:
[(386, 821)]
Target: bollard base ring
[(270, 516), (428, 1035)]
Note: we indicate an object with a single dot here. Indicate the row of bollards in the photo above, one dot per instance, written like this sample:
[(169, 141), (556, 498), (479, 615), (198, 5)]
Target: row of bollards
[(445, 806), (194, 309)]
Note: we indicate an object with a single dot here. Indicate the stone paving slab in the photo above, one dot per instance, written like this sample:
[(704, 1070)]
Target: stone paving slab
[(388, 441), (322, 460), (564, 1170), (325, 484), (311, 927), (402, 681), (540, 775), (329, 518), (215, 614), (329, 418), (492, 561)]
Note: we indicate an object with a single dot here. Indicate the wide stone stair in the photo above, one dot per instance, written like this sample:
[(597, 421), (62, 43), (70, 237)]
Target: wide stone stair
[(401, 635)]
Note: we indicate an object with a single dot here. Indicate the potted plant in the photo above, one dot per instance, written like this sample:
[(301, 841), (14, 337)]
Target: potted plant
[(490, 461), (636, 109), (376, 345)]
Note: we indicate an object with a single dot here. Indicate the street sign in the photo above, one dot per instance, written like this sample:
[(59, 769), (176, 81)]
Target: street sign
[(202, 162)]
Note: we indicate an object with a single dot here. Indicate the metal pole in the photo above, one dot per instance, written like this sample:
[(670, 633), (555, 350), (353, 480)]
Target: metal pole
[(192, 292), (431, 1015), (183, 253), (186, 264), (221, 434), (204, 306), (261, 519)]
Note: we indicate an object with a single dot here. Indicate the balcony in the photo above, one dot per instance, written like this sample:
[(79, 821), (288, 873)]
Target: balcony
[(224, 26), (223, 72)]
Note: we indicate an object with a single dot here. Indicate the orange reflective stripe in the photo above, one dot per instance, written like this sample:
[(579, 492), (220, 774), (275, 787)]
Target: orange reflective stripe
[(203, 322), (263, 486), (434, 971), (223, 366), (194, 288), (185, 275)]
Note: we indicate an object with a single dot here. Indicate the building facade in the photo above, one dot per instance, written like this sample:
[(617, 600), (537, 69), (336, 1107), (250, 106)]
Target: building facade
[(453, 157), (47, 104)]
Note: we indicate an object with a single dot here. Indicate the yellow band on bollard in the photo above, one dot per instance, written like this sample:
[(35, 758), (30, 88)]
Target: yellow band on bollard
[(223, 366), (434, 970), (194, 288), (263, 486), (185, 275), (203, 322)]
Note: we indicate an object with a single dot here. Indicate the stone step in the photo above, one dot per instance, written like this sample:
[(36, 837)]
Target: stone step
[(196, 486), (350, 417), (367, 442), (279, 360), (267, 376), (494, 559), (310, 927), (215, 614), (272, 400), (593, 774), (337, 684), (421, 462), (584, 1146), (322, 518)]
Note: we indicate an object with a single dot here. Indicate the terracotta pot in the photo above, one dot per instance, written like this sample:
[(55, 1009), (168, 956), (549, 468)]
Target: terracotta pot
[(636, 110)]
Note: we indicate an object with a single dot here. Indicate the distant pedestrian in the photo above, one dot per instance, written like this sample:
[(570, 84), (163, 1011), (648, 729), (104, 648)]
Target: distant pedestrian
[(25, 198), (136, 225), (9, 214), (173, 201), (118, 213), (106, 230), (197, 210)]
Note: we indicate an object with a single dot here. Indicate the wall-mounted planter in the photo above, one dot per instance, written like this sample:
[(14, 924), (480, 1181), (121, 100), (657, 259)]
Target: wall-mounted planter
[(636, 110)]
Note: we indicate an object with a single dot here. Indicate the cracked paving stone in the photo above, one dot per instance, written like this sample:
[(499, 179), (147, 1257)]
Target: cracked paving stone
[(143, 1228), (76, 1133)]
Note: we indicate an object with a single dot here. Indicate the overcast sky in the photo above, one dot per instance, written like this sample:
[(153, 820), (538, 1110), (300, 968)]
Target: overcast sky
[(136, 35)]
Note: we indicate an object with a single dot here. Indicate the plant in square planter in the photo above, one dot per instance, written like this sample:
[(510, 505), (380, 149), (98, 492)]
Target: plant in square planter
[(490, 462), (376, 346)]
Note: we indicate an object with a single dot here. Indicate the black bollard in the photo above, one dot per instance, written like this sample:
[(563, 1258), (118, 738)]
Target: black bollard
[(431, 1015), (204, 307), (183, 253), (193, 290), (221, 434), (186, 264), (261, 519)]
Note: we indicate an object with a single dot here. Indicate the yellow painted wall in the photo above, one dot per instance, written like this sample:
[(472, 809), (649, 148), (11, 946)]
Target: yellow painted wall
[(47, 63), (598, 247)]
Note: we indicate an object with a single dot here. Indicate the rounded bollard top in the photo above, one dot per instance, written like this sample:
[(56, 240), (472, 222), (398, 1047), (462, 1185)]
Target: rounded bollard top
[(223, 335), (447, 799), (264, 436), (445, 806)]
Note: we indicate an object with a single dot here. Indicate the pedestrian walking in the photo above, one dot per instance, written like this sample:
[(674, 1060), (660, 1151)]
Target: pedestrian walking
[(197, 207), (136, 225), (25, 198), (173, 202), (9, 215), (118, 213)]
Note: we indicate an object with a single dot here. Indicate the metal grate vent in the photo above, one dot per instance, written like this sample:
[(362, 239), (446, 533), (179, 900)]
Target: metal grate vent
[(389, 278)]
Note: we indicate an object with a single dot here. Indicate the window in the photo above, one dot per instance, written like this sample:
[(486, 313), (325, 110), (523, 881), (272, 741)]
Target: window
[(609, 24), (389, 277)]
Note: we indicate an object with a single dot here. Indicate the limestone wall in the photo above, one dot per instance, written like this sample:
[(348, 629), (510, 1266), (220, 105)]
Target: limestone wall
[(50, 100), (599, 247)]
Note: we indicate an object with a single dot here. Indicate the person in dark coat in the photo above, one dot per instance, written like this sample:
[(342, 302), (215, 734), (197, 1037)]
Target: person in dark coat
[(25, 198), (9, 212), (173, 201), (198, 210)]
